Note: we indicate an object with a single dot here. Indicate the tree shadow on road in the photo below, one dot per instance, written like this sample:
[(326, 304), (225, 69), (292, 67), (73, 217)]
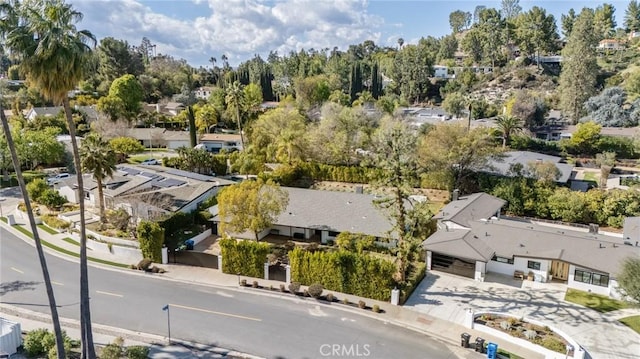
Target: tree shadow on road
[(16, 286)]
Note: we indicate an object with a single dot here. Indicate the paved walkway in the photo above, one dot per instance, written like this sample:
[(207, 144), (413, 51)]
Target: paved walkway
[(447, 297), (436, 308)]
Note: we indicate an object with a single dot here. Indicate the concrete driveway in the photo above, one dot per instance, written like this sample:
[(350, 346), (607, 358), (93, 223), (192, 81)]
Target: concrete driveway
[(447, 296)]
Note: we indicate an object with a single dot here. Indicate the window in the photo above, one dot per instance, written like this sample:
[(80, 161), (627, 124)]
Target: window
[(502, 259), (598, 279), (533, 265)]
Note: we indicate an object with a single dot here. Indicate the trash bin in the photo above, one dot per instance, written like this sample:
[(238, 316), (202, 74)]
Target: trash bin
[(479, 345), (492, 351), (464, 340), (189, 244)]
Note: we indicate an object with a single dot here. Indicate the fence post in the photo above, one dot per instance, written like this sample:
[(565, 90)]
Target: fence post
[(288, 275), (220, 262), (266, 271)]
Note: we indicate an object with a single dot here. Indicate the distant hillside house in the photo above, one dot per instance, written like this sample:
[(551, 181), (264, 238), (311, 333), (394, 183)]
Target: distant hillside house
[(610, 44), (473, 239), (216, 142), (502, 166), (173, 108), (203, 93), (90, 113)]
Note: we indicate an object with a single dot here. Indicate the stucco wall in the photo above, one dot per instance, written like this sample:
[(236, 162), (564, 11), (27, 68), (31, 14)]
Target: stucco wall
[(572, 283), (520, 263)]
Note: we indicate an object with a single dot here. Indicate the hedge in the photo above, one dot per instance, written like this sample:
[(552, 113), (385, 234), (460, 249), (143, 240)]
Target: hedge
[(417, 271), (345, 272), (323, 172), (151, 238), (246, 258)]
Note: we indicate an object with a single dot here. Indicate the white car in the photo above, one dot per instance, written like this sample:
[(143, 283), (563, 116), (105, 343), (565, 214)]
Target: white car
[(57, 178), (150, 162)]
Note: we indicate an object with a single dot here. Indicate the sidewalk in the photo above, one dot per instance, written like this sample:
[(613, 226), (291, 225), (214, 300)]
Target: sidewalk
[(443, 330)]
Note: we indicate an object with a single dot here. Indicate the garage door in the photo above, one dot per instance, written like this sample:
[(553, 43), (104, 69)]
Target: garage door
[(453, 265)]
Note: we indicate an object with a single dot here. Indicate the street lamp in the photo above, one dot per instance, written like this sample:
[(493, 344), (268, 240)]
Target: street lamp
[(166, 309)]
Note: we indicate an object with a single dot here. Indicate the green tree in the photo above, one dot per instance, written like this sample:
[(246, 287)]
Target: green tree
[(279, 135), (252, 98), (36, 188), (579, 67), (124, 99), (610, 109), (235, 99), (507, 126), (98, 157), (604, 23), (151, 237), (455, 150), (586, 137), (606, 161), (632, 85), (510, 9), (629, 278), (395, 157), (492, 27), (459, 20), (472, 44), (454, 104), (536, 32), (52, 199), (250, 206), (39, 147), (116, 59), (53, 53), (207, 116), (126, 146), (567, 22), (632, 16)]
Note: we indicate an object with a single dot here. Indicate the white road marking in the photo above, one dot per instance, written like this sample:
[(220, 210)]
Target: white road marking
[(214, 312), (224, 294), (56, 283), (109, 293), (17, 270), (317, 312), (347, 319)]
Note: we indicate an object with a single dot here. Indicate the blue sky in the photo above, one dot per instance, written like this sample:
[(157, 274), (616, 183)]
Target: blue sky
[(199, 29)]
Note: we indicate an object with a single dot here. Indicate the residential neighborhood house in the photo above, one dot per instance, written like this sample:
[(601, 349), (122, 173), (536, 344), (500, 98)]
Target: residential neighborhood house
[(507, 162), (473, 239)]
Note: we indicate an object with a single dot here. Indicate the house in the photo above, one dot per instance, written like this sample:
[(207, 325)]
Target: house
[(503, 165), (146, 192), (173, 108), (34, 112), (610, 44), (440, 71), (203, 93), (215, 142), (160, 137), (473, 239), (314, 214)]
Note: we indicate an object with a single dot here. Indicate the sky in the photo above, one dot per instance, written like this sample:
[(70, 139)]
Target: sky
[(197, 30)]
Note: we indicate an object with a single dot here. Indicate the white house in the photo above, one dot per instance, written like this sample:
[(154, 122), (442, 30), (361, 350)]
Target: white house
[(203, 93), (472, 240), (160, 137), (215, 142)]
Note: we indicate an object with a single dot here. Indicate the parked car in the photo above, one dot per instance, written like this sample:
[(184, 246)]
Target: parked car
[(150, 162), (57, 178)]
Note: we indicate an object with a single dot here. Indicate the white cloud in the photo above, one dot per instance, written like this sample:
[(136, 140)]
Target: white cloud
[(238, 28)]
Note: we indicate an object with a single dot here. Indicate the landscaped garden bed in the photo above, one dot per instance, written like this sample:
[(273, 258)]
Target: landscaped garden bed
[(536, 334)]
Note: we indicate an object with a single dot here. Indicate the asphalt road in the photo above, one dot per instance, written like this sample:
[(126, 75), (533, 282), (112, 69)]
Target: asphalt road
[(263, 326)]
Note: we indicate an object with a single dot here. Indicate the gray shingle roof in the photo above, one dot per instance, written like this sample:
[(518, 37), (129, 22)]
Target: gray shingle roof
[(334, 211), (502, 165), (526, 239), (469, 208)]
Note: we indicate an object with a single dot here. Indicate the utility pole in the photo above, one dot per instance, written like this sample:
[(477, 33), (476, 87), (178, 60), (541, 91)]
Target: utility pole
[(166, 309)]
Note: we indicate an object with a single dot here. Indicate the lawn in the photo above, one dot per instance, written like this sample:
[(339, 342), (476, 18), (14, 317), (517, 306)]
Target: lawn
[(592, 176), (632, 322), (506, 354), (596, 302), (47, 229)]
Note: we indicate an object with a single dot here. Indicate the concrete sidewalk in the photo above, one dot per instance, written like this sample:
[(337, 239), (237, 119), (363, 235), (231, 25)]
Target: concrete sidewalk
[(442, 326)]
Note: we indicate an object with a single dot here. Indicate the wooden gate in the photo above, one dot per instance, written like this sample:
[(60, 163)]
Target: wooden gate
[(560, 270)]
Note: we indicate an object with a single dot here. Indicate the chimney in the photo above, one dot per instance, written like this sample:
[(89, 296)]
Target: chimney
[(359, 189), (455, 194)]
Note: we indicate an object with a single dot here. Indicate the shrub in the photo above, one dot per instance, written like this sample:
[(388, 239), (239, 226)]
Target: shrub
[(37, 188), (512, 320), (294, 287), (306, 293), (282, 288), (119, 218), (243, 282), (155, 269), (144, 264), (315, 290), (330, 297), (362, 304), (52, 199), (137, 352), (53, 351), (505, 325), (55, 222), (345, 301), (151, 237), (244, 257), (34, 342), (111, 351), (270, 287), (255, 284), (376, 308), (554, 344)]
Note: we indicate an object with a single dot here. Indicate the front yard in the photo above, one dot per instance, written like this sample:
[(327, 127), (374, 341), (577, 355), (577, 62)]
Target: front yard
[(632, 322), (596, 302)]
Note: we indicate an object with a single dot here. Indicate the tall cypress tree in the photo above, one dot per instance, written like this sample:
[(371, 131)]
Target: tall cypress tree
[(355, 87), (579, 66)]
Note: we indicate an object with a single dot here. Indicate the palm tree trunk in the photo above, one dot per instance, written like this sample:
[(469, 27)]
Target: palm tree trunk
[(239, 126), (36, 237), (88, 349)]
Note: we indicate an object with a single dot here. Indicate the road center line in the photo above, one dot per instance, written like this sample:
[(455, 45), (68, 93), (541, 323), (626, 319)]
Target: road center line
[(214, 312), (17, 270), (109, 293)]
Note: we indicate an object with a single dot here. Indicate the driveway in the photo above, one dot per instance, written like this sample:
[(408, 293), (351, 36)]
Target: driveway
[(447, 296)]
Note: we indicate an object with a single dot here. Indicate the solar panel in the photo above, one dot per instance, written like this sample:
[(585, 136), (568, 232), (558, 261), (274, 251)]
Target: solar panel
[(129, 170)]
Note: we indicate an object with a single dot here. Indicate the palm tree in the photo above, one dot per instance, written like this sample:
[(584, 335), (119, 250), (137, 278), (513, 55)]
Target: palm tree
[(53, 55), (507, 126), (234, 98), (98, 157), (400, 43), (34, 228)]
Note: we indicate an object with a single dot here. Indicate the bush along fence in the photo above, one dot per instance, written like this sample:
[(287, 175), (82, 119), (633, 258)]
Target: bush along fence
[(244, 257), (342, 271)]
